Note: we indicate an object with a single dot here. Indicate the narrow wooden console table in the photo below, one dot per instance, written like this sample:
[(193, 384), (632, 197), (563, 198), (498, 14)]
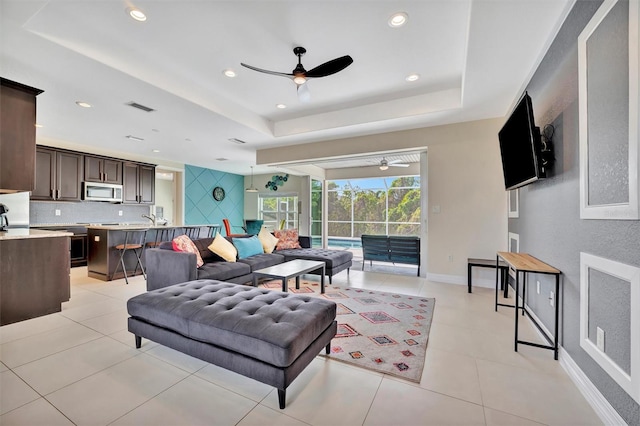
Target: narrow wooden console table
[(525, 263)]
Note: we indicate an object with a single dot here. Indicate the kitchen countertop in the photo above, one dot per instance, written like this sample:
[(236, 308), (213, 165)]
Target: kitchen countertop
[(124, 227), (24, 233)]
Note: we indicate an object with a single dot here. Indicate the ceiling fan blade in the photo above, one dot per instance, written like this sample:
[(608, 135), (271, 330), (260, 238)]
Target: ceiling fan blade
[(331, 67), (398, 165), (304, 95), (283, 74)]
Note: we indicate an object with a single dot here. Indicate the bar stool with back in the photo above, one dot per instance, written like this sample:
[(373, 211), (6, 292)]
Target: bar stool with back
[(135, 241)]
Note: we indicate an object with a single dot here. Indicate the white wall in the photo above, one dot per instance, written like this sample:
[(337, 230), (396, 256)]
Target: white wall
[(300, 185), (165, 197), (465, 182)]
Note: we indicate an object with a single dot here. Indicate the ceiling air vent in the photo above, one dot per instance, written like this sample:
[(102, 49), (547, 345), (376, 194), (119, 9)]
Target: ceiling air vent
[(142, 107), (238, 141)]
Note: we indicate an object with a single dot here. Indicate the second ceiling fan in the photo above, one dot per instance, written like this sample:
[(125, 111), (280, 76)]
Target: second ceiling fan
[(384, 164), (300, 75)]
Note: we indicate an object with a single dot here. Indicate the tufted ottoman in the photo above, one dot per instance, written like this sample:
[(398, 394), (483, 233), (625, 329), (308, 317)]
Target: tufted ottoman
[(266, 335)]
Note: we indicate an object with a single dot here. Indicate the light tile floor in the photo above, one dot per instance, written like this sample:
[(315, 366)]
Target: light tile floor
[(80, 366)]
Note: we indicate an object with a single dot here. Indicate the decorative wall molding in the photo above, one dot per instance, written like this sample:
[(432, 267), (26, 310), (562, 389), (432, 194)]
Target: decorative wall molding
[(514, 238), (629, 382), (513, 202), (617, 210), (596, 400)]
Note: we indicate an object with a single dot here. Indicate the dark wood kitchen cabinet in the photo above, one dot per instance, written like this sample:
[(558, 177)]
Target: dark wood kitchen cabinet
[(99, 169), (58, 175), (17, 136), (139, 182)]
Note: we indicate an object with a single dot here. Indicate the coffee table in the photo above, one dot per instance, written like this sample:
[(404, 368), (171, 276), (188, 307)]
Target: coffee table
[(292, 269)]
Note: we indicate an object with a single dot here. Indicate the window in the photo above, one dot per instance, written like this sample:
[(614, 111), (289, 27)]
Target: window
[(279, 211), (383, 206)]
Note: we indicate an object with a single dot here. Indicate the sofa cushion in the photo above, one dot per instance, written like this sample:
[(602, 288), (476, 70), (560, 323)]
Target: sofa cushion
[(268, 240), (223, 248), (184, 243), (272, 326), (330, 257), (223, 270), (202, 244), (248, 246), (287, 239), (263, 260)]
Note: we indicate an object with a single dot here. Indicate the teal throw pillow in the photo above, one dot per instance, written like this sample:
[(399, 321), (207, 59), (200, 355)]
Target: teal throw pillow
[(248, 246)]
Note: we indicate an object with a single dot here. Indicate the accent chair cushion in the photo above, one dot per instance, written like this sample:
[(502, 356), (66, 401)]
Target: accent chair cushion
[(287, 239), (248, 246), (184, 243), (268, 241), (223, 248)]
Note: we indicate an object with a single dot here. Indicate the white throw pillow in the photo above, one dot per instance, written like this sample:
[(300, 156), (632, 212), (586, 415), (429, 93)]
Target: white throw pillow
[(223, 248), (268, 241)]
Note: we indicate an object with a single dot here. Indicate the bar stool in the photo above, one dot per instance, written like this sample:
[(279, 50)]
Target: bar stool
[(162, 235), (193, 232), (213, 230), (135, 241)]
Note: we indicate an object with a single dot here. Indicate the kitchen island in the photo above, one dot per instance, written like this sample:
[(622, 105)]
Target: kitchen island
[(35, 273), (103, 257)]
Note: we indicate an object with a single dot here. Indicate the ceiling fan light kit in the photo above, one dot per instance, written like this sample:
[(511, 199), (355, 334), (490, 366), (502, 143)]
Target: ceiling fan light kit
[(300, 75)]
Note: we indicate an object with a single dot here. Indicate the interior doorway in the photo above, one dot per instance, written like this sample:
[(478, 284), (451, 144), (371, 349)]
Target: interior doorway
[(166, 195)]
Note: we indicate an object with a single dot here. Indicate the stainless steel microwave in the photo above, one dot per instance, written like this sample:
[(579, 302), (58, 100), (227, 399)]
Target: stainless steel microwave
[(92, 191)]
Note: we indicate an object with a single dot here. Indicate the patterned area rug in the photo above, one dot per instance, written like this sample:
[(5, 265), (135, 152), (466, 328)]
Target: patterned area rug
[(384, 332)]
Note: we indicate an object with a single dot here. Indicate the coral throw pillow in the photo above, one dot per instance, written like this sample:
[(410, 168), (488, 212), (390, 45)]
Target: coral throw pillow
[(184, 243), (268, 241), (287, 239), (223, 248)]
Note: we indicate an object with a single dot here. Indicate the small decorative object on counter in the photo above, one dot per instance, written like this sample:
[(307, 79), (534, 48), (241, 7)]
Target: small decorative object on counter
[(276, 181)]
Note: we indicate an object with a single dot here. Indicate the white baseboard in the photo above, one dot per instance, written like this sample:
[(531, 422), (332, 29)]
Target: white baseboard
[(600, 405), (461, 280), (448, 279), (596, 400)]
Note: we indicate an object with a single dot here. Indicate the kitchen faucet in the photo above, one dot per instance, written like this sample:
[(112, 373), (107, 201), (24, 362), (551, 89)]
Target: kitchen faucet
[(152, 218)]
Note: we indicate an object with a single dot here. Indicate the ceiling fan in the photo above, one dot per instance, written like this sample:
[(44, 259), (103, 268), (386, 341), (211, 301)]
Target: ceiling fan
[(299, 75), (384, 164)]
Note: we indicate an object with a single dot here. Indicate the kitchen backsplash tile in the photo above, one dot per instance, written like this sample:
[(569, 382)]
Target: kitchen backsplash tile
[(44, 212)]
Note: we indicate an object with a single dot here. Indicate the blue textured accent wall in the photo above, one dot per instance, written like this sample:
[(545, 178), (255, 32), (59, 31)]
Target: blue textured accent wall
[(201, 208)]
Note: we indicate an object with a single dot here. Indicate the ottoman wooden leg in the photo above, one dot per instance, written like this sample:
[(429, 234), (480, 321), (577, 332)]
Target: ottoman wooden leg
[(282, 396), (138, 342)]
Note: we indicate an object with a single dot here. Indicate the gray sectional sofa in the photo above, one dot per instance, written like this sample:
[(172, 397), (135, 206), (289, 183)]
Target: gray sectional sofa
[(166, 267)]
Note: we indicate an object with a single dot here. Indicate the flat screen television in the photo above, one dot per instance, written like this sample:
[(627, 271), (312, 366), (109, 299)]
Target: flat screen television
[(520, 147)]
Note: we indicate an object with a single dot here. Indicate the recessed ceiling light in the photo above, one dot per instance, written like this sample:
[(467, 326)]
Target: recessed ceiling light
[(398, 19), (136, 14), (155, 130), (281, 106), (155, 150), (412, 77), (83, 104), (187, 139), (229, 73)]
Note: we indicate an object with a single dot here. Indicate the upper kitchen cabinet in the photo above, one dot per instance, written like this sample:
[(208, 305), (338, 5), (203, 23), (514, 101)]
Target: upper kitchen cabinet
[(99, 169), (139, 181), (17, 136), (58, 175)]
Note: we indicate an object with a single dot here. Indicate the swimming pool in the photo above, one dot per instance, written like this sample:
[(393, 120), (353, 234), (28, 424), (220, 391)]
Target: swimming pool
[(338, 242)]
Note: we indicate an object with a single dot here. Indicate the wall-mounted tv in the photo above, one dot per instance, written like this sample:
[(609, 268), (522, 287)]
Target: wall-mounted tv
[(520, 147)]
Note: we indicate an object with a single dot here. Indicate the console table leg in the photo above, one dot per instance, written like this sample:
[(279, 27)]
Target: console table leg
[(497, 268), (516, 310), (555, 334)]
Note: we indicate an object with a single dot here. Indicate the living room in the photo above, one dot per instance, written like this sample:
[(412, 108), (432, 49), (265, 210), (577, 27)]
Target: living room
[(471, 374)]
